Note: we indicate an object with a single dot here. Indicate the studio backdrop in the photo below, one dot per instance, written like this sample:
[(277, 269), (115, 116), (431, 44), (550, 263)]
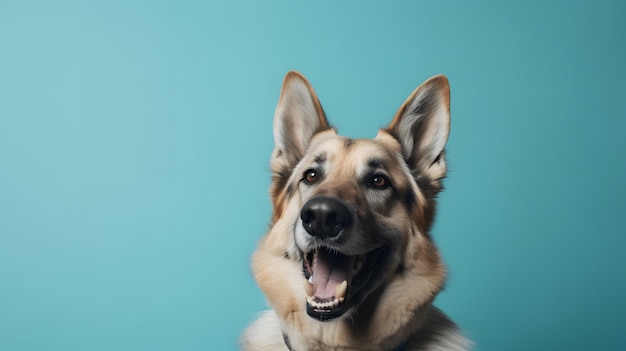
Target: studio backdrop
[(135, 139)]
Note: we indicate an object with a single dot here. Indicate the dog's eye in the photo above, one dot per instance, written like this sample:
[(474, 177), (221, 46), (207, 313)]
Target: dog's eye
[(379, 181), (310, 176)]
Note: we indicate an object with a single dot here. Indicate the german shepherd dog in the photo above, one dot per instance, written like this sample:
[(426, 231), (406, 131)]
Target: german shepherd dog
[(348, 262)]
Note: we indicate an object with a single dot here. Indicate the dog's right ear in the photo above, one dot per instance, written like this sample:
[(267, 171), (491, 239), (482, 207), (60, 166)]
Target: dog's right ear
[(422, 126), (298, 116)]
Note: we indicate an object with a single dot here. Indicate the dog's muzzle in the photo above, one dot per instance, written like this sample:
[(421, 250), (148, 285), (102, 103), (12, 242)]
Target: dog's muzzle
[(327, 270), (337, 276)]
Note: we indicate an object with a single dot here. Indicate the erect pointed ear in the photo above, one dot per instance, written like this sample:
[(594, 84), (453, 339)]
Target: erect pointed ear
[(297, 118), (422, 125)]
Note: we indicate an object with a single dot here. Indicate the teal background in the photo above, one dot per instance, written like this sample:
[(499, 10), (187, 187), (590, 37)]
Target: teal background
[(135, 139)]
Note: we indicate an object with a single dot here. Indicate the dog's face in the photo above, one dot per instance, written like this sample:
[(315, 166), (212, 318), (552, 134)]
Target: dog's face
[(355, 208), (351, 217)]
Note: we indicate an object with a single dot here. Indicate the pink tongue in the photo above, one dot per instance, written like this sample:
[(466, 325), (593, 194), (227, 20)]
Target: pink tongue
[(330, 270)]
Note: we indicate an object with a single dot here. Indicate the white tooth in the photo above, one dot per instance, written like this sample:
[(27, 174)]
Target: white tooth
[(340, 290), (308, 288), (311, 279)]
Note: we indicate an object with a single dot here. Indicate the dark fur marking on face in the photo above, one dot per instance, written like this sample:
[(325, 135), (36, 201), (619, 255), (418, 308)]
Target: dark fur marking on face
[(375, 164), (321, 158), (290, 190), (348, 143), (409, 200)]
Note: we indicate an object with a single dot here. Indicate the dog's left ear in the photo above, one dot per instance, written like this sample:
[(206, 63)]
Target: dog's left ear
[(422, 125)]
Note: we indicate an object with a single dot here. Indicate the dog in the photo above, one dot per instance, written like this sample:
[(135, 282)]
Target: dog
[(348, 262)]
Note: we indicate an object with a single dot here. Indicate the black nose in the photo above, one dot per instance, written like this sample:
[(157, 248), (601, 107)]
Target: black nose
[(325, 217)]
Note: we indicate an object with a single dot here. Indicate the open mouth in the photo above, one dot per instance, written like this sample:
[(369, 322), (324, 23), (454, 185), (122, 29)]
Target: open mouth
[(332, 278)]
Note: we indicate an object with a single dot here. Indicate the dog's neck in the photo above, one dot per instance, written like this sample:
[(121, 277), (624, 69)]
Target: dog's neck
[(370, 326), (364, 329), (429, 330)]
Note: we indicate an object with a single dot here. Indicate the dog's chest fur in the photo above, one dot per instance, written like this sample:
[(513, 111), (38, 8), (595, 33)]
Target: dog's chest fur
[(438, 333)]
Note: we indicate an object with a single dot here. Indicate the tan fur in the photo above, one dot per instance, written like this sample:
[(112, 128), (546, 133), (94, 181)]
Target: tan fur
[(399, 310)]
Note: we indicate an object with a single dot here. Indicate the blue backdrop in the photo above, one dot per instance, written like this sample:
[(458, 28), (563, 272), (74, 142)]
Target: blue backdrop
[(135, 138)]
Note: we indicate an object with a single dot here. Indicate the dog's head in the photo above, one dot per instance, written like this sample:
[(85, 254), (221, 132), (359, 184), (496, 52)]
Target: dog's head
[(351, 216)]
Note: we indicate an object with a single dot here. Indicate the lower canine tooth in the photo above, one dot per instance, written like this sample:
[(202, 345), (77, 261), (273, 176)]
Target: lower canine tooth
[(340, 290)]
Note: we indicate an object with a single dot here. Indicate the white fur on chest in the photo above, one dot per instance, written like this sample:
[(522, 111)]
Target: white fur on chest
[(439, 333)]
